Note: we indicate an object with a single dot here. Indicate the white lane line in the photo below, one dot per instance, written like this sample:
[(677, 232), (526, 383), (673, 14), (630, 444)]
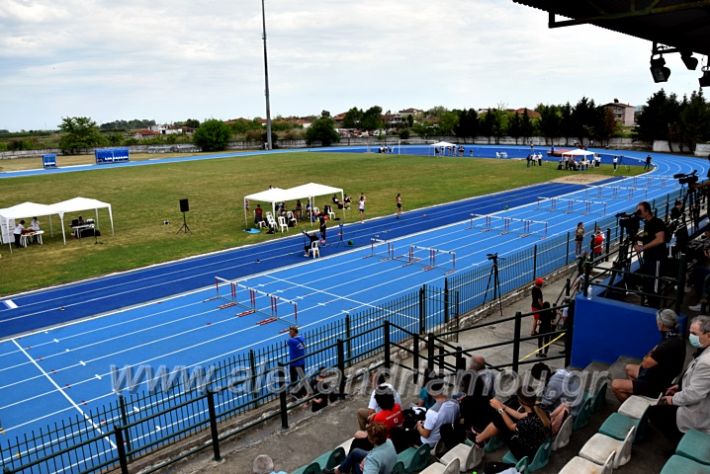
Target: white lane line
[(64, 394)]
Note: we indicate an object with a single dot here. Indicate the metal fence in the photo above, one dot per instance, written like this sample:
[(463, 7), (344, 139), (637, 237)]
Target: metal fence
[(137, 424)]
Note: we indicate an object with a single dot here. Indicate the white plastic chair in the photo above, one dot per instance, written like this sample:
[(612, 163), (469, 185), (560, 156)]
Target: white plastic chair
[(270, 220), (331, 215), (469, 457), (282, 224), (452, 467), (579, 465), (314, 250), (563, 436), (598, 448)]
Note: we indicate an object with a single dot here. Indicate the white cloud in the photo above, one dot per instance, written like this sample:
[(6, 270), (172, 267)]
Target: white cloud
[(170, 60)]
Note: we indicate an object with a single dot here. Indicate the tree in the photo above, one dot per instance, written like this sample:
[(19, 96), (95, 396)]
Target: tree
[(514, 127), (567, 125), (372, 118), (527, 127), (659, 118), (79, 133), (114, 139), (241, 125), (487, 124), (353, 118), (694, 120), (212, 135), (447, 123), (322, 130), (583, 119), (605, 125), (550, 122), (467, 125), (192, 123)]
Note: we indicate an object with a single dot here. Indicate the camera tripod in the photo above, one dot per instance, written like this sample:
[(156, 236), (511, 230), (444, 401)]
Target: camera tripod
[(622, 264), (493, 277)]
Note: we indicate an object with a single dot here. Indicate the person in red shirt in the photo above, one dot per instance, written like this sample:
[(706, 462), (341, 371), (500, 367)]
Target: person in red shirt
[(597, 243), (390, 415)]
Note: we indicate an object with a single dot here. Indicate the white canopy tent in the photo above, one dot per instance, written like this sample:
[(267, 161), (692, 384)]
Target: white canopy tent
[(81, 204), (305, 191), (442, 144), (25, 209), (577, 152)]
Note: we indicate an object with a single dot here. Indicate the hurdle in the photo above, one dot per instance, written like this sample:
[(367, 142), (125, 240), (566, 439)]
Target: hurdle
[(526, 225), (541, 200), (376, 243), (273, 310), (431, 254), (230, 296), (630, 191), (662, 181), (586, 203)]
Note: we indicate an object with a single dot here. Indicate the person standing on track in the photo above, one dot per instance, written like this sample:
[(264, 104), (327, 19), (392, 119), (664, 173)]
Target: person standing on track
[(398, 202), (647, 166), (297, 363), (361, 207), (537, 303)]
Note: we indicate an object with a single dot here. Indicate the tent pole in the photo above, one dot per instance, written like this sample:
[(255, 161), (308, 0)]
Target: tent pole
[(342, 203), (61, 220), (110, 216), (51, 228), (244, 208)]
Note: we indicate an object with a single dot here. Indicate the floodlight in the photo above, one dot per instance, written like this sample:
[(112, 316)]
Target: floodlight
[(690, 62), (705, 79), (659, 71)]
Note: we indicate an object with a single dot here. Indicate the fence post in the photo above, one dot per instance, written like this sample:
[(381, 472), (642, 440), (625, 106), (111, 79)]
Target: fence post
[(282, 397), (442, 360), (213, 424), (446, 301), (608, 244), (458, 319), (121, 448), (569, 328), (430, 353), (252, 368), (516, 340), (341, 367), (415, 355), (386, 339), (587, 277), (567, 252), (460, 361), (668, 201), (422, 311), (568, 287), (348, 342), (681, 282), (124, 421), (534, 262)]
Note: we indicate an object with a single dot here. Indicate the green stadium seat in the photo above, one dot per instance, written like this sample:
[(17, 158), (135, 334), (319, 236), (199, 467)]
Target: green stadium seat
[(415, 459), (617, 426), (313, 468), (399, 468), (452, 467), (680, 465), (327, 460), (542, 457), (599, 397), (585, 413), (494, 444), (522, 465), (696, 446)]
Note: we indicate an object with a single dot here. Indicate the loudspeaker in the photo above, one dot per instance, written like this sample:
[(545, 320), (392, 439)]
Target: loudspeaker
[(184, 205)]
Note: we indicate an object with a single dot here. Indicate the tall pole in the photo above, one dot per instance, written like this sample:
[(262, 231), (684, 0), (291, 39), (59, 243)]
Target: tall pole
[(269, 145)]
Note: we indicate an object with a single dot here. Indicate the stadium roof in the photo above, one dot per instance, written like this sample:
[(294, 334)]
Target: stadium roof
[(682, 24)]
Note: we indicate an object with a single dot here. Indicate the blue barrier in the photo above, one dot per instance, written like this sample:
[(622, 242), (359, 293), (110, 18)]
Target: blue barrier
[(606, 329), (49, 160), (111, 155)]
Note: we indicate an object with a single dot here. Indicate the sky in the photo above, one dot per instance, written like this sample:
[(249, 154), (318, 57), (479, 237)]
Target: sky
[(170, 60)]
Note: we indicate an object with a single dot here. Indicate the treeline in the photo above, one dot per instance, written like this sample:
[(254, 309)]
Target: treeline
[(665, 117)]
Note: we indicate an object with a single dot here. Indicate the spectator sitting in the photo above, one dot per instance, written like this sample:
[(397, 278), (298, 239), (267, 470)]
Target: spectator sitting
[(660, 366), (346, 201), (687, 406), (18, 231), (478, 386), (562, 394), (337, 202), (364, 415), (323, 390), (425, 400), (299, 210), (444, 411), (524, 432), (390, 416), (380, 460), (263, 464)]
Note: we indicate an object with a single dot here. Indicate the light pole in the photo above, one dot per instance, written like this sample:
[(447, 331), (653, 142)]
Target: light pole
[(269, 144)]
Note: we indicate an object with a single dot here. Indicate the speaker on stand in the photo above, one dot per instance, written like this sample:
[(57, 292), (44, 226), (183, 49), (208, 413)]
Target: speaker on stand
[(184, 208)]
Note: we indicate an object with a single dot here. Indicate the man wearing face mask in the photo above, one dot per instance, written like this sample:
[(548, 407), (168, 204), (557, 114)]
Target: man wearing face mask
[(653, 249), (687, 406), (660, 366)]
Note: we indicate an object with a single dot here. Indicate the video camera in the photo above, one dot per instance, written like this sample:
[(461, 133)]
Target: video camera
[(492, 256), (630, 222), (687, 178)]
